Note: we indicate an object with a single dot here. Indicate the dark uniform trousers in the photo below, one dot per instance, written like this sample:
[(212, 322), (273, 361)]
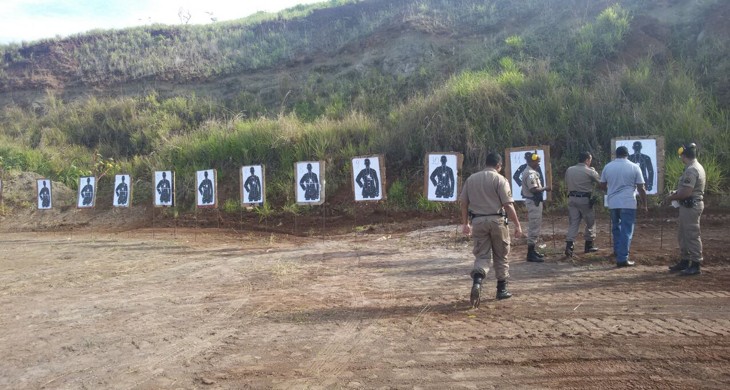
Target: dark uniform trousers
[(491, 245)]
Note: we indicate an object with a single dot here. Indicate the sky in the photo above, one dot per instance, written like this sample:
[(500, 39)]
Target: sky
[(31, 20)]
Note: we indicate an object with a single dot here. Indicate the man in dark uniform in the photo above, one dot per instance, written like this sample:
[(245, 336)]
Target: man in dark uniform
[(206, 189), (644, 162), (253, 187), (443, 179), (486, 203), (122, 192), (87, 193), (164, 189), (690, 195), (310, 184), (580, 180), (367, 179)]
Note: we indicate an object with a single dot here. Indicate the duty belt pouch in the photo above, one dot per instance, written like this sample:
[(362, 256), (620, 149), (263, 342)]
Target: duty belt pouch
[(592, 201), (688, 203), (537, 199)]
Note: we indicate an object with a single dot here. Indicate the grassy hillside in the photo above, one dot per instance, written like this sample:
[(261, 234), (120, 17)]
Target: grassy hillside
[(342, 79)]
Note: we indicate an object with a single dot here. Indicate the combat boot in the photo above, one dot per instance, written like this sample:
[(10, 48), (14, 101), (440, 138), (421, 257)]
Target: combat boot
[(569, 248), (502, 292), (476, 290), (693, 269), (589, 248), (532, 256), (680, 266)]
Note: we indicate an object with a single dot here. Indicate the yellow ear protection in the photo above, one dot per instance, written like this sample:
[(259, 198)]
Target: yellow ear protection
[(535, 156), (683, 148)]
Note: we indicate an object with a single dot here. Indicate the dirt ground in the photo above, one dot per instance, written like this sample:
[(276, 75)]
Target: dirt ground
[(381, 307)]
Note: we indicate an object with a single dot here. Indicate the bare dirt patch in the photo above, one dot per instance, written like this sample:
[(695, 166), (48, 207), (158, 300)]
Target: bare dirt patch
[(187, 308)]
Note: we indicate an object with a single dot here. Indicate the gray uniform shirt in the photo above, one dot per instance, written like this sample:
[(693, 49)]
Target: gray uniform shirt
[(581, 178), (694, 176), (530, 180), (485, 192)]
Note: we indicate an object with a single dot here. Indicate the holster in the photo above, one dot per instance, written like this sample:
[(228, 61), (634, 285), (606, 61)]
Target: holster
[(688, 202), (592, 201), (537, 198)]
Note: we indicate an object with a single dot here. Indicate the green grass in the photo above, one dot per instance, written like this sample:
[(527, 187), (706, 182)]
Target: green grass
[(531, 89)]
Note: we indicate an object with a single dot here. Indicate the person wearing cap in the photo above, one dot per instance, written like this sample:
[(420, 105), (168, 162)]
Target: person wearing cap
[(690, 194), (533, 191), (580, 180), (486, 203), (644, 163), (622, 179), (518, 173)]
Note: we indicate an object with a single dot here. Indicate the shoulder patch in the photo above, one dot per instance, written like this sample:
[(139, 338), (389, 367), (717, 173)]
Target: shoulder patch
[(509, 193), (687, 181)]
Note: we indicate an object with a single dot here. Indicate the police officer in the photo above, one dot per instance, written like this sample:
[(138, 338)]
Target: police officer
[(486, 203), (580, 179), (690, 194), (518, 173), (533, 191)]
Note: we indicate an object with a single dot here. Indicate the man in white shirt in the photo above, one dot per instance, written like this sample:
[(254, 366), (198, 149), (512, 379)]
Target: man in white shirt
[(622, 179)]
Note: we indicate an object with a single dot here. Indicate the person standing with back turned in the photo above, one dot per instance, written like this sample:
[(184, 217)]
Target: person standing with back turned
[(690, 193), (486, 203), (621, 178), (580, 179)]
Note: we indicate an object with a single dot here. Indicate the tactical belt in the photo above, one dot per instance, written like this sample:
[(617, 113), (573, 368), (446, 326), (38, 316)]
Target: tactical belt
[(472, 215), (578, 194)]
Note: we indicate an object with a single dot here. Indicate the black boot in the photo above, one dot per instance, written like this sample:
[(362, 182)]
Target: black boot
[(680, 266), (569, 248), (502, 292), (532, 256), (693, 269), (589, 248), (476, 290)]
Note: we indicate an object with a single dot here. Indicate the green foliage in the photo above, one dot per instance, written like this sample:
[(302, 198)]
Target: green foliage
[(515, 41), (539, 87), (292, 209), (231, 206), (398, 197), (602, 38), (264, 212), (714, 173), (423, 204)]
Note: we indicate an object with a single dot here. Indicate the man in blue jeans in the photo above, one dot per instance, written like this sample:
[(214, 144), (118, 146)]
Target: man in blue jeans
[(622, 179)]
